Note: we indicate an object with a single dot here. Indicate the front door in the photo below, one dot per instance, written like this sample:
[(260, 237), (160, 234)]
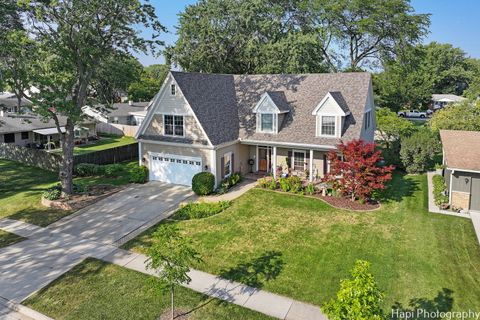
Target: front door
[(264, 159)]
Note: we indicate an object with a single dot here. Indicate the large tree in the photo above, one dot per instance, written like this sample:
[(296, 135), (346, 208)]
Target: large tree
[(357, 33), (77, 37), (149, 82), (418, 72), (460, 116), (247, 36)]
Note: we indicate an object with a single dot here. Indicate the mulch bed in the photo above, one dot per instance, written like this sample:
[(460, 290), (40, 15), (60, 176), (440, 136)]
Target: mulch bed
[(178, 315), (346, 203), (79, 201)]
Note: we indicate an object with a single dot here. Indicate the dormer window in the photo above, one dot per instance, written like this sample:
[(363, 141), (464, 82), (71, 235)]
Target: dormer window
[(173, 89), (271, 107), (328, 126), (266, 122), (330, 115)]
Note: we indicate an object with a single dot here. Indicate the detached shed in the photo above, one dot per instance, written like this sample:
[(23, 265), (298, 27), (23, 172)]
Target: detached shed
[(461, 156)]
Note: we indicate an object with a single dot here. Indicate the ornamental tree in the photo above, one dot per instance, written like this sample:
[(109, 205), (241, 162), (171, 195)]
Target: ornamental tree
[(355, 170), (358, 298)]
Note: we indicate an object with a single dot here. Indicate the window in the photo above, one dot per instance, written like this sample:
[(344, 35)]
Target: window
[(266, 122), (173, 125), (9, 138), (328, 126), (173, 89), (368, 119), (299, 160), (227, 164), (25, 135)]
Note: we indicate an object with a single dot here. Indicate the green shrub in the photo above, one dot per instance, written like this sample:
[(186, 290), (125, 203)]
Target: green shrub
[(88, 170), (138, 174), (263, 183), (439, 188), (203, 183), (53, 193), (295, 184), (418, 150), (229, 182), (199, 210), (284, 184), (310, 189), (113, 170), (79, 188), (272, 184)]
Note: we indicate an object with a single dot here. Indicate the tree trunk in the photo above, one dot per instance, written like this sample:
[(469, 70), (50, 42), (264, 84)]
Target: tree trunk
[(66, 170), (19, 103), (173, 308)]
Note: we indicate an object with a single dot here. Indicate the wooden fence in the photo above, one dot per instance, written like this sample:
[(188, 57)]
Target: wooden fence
[(52, 161)]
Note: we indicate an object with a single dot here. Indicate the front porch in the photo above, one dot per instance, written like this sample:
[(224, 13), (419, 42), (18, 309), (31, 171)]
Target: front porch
[(309, 164)]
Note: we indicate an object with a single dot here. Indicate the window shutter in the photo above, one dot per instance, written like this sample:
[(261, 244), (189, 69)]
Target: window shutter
[(222, 167), (289, 159), (233, 162)]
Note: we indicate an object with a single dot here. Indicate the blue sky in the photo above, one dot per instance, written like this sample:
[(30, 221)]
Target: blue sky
[(452, 21)]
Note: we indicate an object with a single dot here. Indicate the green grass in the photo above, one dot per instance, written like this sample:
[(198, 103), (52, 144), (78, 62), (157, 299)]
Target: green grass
[(98, 290), (105, 142), (21, 190), (301, 247), (7, 238)]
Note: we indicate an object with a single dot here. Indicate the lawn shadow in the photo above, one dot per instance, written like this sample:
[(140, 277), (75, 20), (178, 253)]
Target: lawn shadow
[(423, 308), (256, 272), (400, 187), (40, 217)]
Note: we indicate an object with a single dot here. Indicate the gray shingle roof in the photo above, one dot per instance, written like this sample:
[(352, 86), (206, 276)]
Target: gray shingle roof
[(337, 95), (26, 122), (452, 97), (223, 103), (124, 109), (280, 100)]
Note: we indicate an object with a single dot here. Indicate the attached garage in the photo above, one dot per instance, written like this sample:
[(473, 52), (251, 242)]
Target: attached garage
[(174, 169)]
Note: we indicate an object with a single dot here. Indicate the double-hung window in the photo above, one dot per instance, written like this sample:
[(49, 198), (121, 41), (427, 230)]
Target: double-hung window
[(328, 126), (368, 119), (266, 122), (174, 125)]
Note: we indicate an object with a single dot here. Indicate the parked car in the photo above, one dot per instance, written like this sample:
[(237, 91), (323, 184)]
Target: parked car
[(412, 114)]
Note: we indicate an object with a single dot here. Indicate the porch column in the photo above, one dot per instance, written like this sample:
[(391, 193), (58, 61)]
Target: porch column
[(274, 163), (48, 142), (311, 166)]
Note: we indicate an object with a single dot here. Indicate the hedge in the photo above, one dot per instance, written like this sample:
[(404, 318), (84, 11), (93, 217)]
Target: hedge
[(439, 188), (203, 183)]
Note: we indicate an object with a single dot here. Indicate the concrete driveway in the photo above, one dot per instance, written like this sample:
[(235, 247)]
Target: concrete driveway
[(29, 265), (117, 216)]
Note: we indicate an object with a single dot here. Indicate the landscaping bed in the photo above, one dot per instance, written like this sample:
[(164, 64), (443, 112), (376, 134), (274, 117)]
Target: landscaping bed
[(99, 290), (301, 247), (347, 204), (78, 201)]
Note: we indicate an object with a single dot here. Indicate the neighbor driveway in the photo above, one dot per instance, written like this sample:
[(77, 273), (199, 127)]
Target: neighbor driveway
[(29, 265)]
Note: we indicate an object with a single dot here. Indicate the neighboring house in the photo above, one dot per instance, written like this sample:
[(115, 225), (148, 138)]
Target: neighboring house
[(461, 156), (9, 102), (122, 118), (28, 129), (260, 123), (441, 100)]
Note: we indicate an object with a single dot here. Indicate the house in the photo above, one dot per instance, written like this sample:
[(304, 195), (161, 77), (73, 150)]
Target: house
[(121, 119), (27, 129), (461, 156), (441, 100), (9, 102), (253, 123)]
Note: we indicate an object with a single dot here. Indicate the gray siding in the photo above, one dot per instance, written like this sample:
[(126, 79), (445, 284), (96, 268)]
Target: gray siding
[(462, 181)]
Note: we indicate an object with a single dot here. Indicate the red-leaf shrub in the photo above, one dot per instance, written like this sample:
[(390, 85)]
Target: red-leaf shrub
[(355, 170)]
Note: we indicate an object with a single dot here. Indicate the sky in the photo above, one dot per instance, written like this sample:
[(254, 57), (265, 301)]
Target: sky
[(452, 21)]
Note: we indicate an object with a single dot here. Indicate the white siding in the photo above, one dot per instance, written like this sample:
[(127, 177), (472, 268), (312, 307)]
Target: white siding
[(172, 104)]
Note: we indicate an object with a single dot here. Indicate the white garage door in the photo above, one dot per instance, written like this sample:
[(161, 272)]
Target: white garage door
[(174, 168)]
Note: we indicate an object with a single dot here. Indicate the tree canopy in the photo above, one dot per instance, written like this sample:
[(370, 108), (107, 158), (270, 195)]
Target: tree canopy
[(149, 83), (460, 116)]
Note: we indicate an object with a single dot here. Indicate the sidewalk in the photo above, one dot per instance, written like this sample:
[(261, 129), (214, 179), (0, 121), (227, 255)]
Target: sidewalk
[(248, 297), (233, 193), (32, 264)]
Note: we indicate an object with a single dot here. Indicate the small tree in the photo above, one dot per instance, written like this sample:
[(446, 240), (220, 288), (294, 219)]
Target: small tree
[(391, 128), (418, 151), (356, 172), (358, 298), (171, 256)]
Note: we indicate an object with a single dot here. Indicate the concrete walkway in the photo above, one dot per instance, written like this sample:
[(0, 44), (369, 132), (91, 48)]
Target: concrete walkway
[(476, 223), (233, 193)]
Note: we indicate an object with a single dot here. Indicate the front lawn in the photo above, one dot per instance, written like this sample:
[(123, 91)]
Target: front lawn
[(105, 142), (99, 290), (302, 247), (21, 189), (7, 238)]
